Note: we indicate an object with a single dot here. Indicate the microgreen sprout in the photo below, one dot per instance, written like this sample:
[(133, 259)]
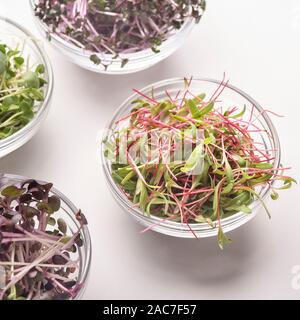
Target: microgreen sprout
[(38, 250), (191, 159), (116, 27), (21, 90)]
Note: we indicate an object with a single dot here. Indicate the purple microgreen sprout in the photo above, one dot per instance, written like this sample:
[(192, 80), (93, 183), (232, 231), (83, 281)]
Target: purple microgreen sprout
[(116, 27), (38, 250)]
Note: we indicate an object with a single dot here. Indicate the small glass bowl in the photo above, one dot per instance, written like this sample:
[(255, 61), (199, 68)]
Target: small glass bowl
[(231, 96), (12, 33), (67, 212), (137, 61)]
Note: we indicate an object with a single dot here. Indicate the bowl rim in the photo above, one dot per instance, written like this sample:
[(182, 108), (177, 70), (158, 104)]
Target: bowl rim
[(85, 230), (133, 57), (178, 226), (44, 105)]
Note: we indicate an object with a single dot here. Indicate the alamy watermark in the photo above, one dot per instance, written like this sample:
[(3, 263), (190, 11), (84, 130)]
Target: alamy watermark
[(163, 146)]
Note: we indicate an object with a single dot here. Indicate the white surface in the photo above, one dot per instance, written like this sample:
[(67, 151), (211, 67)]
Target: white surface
[(257, 44)]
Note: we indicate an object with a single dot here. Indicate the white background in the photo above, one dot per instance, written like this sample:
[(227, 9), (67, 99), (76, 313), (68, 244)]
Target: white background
[(257, 44)]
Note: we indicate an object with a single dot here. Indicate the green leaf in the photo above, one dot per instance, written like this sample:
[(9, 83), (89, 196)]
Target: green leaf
[(241, 161), (243, 198), (42, 82), (202, 219), (222, 238), (128, 177), (263, 165), (208, 108), (3, 61), (210, 139), (13, 293), (65, 239), (19, 61), (95, 59), (141, 194), (54, 203), (128, 185), (287, 183), (40, 69), (143, 198), (239, 115), (194, 109), (3, 48), (253, 192), (31, 80), (228, 171), (195, 160), (155, 50), (200, 96), (228, 188), (101, 4), (239, 208), (12, 192), (62, 226), (159, 201), (52, 221), (13, 100), (36, 94), (204, 175), (207, 141), (216, 200), (245, 209), (124, 62), (261, 179), (274, 195), (29, 211), (42, 206)]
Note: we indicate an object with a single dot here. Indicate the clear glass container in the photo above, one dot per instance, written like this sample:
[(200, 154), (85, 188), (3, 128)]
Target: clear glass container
[(67, 212), (137, 61), (231, 96), (12, 34)]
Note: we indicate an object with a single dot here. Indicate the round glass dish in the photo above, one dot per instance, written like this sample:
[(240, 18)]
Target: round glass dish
[(231, 96), (67, 211), (137, 61), (12, 33)]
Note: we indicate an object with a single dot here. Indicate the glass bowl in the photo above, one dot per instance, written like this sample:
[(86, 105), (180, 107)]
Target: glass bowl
[(12, 33), (137, 61), (231, 96), (67, 211)]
